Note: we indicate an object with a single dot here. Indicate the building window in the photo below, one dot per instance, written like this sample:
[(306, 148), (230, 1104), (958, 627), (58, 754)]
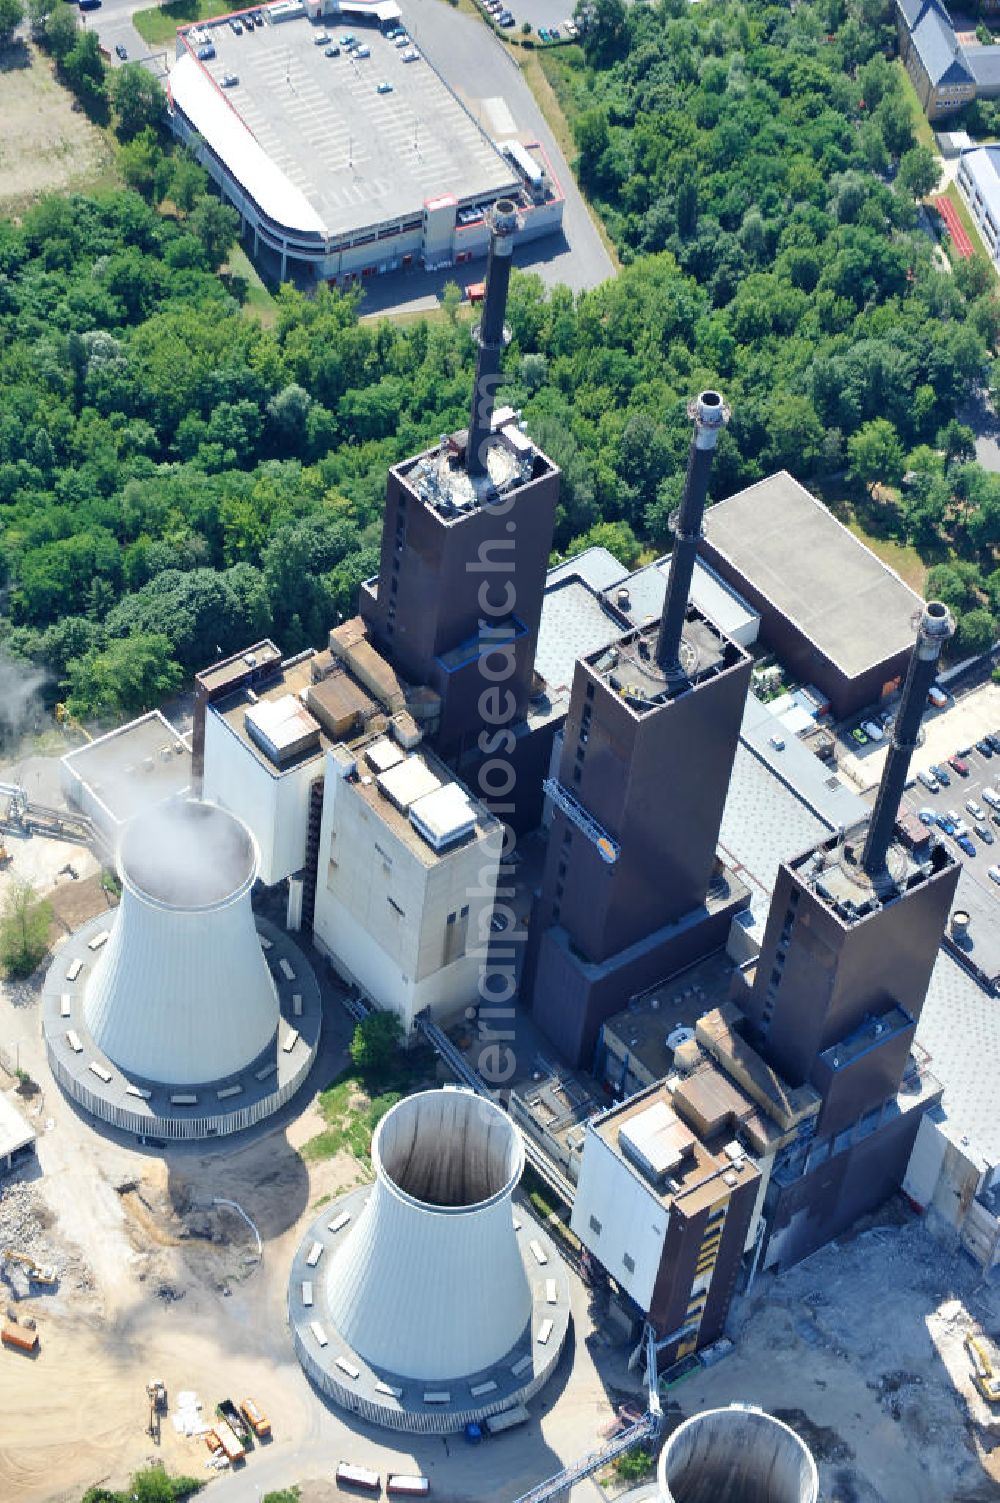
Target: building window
[(559, 889), (567, 835), (576, 774), (465, 910), (451, 918), (628, 1262), (595, 1226), (561, 870), (590, 691)]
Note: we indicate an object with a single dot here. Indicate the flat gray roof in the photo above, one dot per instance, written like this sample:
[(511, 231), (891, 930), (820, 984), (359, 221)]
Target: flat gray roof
[(574, 623), (130, 769), (359, 158), (816, 573), (960, 1029)]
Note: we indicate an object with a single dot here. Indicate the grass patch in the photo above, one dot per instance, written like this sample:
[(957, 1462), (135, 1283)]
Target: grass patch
[(899, 556), (354, 1104), (921, 125), (46, 146), (158, 24), (259, 301)]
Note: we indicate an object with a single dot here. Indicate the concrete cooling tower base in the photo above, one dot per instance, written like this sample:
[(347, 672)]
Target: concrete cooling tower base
[(159, 1111), (442, 1405)]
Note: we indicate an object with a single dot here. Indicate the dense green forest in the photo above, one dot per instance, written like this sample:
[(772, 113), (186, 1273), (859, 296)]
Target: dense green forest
[(176, 478)]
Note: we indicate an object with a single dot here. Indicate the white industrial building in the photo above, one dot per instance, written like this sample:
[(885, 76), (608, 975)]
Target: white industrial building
[(406, 880), (331, 173), (324, 762), (17, 1137), (119, 775), (262, 755), (979, 184)]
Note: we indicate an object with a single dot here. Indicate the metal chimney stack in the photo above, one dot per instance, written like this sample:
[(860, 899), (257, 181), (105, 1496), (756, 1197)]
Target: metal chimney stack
[(936, 626), (491, 335), (710, 416)]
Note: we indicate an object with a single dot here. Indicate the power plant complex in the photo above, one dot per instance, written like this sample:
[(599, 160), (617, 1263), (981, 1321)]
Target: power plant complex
[(734, 944)]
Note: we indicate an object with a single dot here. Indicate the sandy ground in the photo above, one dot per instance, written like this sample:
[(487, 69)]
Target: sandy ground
[(848, 1349), (45, 145)]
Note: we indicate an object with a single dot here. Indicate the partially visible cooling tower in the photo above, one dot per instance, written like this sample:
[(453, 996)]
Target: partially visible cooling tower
[(182, 992), (430, 1282), (736, 1455)]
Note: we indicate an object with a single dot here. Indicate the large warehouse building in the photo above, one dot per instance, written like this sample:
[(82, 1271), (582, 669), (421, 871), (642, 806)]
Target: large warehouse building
[(340, 166), (830, 610)]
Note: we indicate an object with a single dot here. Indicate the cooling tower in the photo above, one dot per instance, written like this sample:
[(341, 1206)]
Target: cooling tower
[(181, 992), (430, 1283), (736, 1455)]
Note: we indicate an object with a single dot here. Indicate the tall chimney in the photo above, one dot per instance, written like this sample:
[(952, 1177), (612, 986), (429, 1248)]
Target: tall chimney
[(710, 416), (936, 626), (491, 335)]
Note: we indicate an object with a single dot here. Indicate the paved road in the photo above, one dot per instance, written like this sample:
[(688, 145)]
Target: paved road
[(979, 415), (481, 70)]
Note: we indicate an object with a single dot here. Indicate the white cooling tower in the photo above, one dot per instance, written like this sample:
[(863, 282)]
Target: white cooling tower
[(182, 992), (431, 1283)]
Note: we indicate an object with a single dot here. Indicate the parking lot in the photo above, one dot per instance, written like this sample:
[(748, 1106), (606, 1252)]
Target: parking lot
[(541, 14), (955, 730)]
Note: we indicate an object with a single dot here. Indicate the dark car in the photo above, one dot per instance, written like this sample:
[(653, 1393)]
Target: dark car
[(333, 51), (994, 742), (946, 824), (984, 748), (965, 844), (943, 777), (235, 27), (121, 52), (205, 54), (961, 767)]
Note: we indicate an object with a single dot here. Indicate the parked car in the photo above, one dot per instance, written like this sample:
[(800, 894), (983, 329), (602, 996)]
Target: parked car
[(993, 872), (543, 35), (554, 33), (872, 730), (235, 27), (991, 796), (385, 87), (506, 19), (927, 816), (959, 765), (942, 774), (321, 40), (229, 80), (121, 51), (937, 697), (333, 51), (965, 845), (205, 54), (859, 736), (985, 834), (961, 828), (994, 741), (402, 41), (411, 55), (976, 810), (946, 824), (929, 781), (361, 51), (347, 40), (984, 748)]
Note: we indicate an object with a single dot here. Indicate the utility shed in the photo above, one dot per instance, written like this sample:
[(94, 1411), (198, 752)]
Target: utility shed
[(17, 1137), (831, 611)]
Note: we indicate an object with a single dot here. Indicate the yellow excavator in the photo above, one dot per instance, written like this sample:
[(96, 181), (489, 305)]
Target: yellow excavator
[(37, 1273), (984, 1372)]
